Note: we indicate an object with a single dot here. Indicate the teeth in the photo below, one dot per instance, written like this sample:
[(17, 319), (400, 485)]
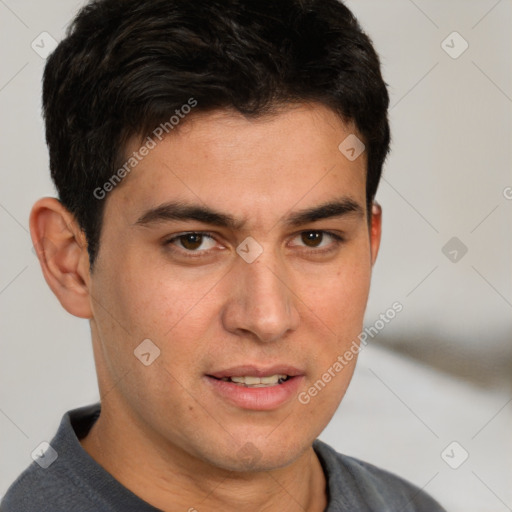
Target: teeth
[(246, 380), (258, 382)]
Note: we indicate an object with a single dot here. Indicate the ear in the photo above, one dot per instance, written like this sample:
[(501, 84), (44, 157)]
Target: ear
[(61, 247), (375, 230)]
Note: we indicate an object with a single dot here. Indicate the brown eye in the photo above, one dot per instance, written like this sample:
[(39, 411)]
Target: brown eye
[(191, 241), (312, 238), (193, 244)]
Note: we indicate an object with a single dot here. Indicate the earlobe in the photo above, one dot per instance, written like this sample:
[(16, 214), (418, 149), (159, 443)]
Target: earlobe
[(62, 252), (375, 230)]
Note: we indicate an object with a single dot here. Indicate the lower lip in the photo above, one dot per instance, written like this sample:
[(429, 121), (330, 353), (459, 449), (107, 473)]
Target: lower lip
[(257, 399)]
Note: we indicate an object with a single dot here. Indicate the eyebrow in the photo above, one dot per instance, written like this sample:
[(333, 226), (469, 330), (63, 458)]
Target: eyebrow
[(338, 208), (186, 212)]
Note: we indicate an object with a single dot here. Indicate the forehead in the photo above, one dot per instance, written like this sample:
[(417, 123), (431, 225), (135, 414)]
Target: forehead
[(250, 167)]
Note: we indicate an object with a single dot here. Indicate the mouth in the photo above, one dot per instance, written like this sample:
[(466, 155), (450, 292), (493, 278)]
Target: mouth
[(250, 381), (256, 388)]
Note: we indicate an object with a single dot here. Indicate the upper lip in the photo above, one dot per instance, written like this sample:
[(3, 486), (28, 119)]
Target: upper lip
[(256, 371)]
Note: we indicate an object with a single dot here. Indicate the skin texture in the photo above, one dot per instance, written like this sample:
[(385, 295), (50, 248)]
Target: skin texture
[(163, 431)]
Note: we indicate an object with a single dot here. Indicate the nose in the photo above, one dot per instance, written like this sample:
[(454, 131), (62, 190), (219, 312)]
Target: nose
[(262, 302)]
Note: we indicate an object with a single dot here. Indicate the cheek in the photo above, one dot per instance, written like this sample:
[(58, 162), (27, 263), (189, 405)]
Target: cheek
[(336, 321), (166, 308), (156, 299), (139, 302), (351, 295), (338, 297)]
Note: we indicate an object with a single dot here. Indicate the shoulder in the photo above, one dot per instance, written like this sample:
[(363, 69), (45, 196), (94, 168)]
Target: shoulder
[(354, 483), (66, 479), (54, 482), (38, 489)]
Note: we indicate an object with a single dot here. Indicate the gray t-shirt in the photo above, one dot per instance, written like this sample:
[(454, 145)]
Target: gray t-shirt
[(74, 482)]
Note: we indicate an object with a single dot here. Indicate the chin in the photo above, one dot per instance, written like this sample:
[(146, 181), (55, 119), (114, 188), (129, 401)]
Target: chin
[(258, 455)]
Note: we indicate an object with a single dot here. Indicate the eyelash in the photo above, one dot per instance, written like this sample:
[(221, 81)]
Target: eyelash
[(337, 241)]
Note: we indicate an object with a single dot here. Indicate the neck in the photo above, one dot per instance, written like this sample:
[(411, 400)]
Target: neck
[(170, 479)]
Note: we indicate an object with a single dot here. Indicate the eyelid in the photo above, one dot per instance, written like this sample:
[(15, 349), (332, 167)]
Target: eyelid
[(168, 241), (337, 238)]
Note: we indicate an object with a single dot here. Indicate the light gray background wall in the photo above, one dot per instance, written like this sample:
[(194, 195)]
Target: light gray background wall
[(440, 371)]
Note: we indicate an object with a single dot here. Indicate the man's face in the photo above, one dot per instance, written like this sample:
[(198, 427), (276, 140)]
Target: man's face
[(175, 277)]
